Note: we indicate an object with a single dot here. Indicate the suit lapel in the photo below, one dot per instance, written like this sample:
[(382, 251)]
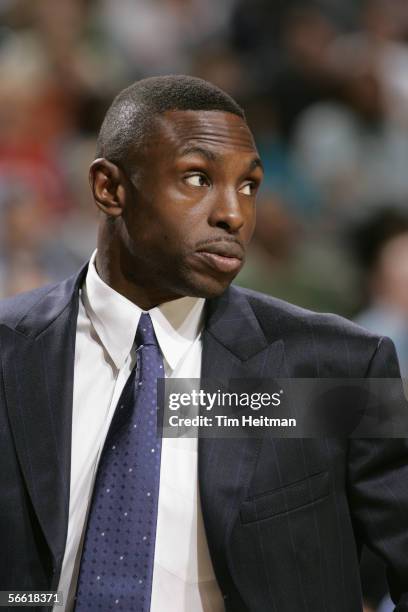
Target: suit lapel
[(38, 367), (234, 346)]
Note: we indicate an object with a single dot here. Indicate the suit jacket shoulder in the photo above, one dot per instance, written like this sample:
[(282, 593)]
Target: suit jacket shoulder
[(13, 309), (30, 313), (334, 346)]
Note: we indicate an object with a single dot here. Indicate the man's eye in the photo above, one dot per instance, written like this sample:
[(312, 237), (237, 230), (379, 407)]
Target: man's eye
[(197, 180), (247, 188)]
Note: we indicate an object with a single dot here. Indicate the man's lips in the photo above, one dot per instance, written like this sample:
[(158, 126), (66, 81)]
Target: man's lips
[(222, 256)]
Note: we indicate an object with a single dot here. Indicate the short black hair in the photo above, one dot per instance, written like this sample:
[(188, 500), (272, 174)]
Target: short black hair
[(369, 235), (132, 112)]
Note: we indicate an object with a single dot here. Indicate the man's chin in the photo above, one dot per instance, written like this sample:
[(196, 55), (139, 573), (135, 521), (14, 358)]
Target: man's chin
[(209, 287)]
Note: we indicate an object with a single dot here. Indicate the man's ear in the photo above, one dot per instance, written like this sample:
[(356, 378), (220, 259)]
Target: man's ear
[(107, 182)]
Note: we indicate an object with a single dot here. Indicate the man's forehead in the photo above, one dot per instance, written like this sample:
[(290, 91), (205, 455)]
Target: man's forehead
[(211, 128)]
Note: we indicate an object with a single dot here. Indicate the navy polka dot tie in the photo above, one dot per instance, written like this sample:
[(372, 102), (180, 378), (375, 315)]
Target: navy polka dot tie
[(117, 561)]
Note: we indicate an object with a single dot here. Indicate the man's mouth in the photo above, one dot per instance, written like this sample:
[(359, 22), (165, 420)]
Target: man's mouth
[(224, 257)]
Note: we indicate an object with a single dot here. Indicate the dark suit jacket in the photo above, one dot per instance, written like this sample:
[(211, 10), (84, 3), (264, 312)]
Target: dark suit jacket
[(285, 518)]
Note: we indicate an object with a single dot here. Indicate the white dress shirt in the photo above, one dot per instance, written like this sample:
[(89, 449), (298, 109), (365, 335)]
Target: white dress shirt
[(183, 577)]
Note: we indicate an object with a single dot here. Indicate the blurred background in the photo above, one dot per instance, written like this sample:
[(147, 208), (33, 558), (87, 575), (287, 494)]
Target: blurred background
[(325, 88)]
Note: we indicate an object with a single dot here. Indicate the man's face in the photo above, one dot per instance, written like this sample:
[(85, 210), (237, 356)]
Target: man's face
[(190, 209)]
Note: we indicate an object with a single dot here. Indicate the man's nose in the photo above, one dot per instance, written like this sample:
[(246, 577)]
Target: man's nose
[(227, 212)]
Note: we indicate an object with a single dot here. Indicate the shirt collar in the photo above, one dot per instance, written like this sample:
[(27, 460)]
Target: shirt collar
[(115, 319)]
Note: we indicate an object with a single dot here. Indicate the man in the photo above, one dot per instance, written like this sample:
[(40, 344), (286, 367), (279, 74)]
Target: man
[(115, 519)]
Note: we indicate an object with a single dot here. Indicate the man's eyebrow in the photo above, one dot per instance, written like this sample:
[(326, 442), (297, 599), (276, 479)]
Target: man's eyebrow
[(211, 156), (256, 163)]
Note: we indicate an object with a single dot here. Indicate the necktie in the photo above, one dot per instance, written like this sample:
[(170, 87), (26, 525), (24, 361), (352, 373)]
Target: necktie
[(117, 561)]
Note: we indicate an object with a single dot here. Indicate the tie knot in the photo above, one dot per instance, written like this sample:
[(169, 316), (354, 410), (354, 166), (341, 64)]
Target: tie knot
[(145, 333)]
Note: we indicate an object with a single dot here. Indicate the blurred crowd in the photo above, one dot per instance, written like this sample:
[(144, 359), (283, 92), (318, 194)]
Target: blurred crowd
[(325, 88)]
